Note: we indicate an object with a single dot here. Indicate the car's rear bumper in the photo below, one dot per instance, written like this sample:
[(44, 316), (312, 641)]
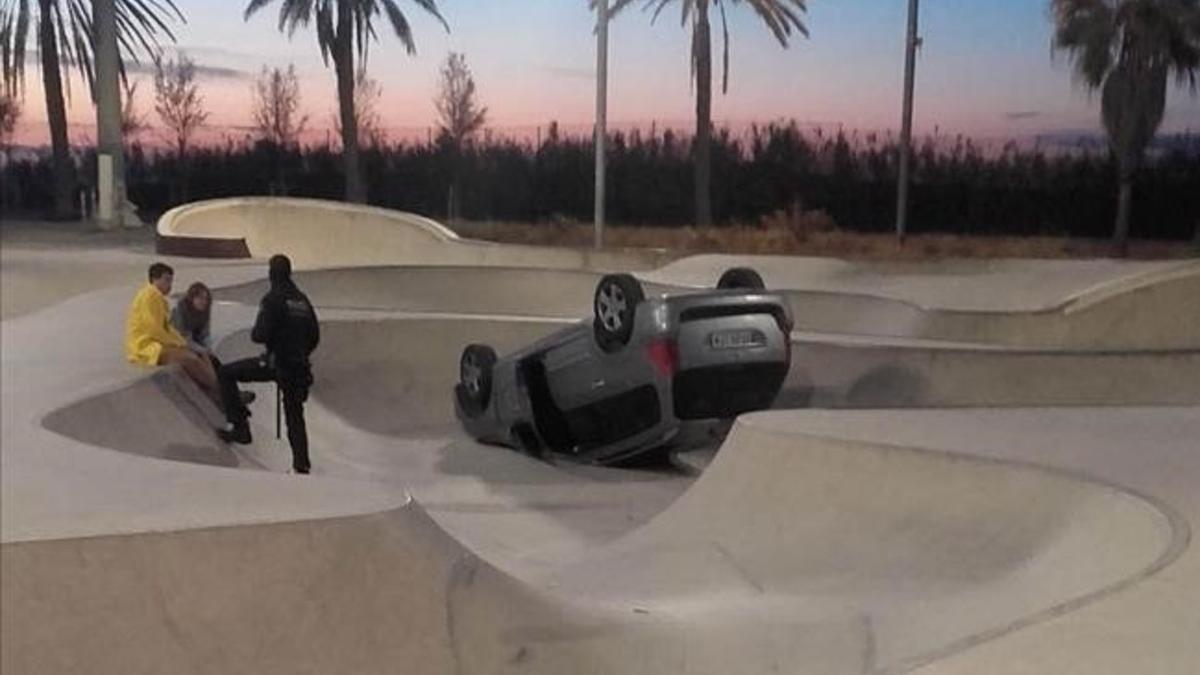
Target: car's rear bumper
[(726, 390)]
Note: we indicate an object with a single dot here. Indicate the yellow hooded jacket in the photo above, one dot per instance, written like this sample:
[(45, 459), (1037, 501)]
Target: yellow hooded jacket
[(148, 327)]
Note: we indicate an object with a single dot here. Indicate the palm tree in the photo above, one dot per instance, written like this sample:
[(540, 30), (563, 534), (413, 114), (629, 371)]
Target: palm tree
[(65, 36), (1127, 49), (344, 30), (780, 16)]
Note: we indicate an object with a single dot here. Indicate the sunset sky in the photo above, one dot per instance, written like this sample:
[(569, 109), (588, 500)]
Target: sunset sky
[(986, 69)]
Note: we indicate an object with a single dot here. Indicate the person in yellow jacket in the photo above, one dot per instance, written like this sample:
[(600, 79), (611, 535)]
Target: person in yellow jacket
[(151, 340)]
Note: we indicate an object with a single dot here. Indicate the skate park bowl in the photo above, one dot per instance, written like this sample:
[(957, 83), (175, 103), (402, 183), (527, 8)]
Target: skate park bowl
[(1144, 306), (792, 552), (316, 233), (142, 544), (1150, 358)]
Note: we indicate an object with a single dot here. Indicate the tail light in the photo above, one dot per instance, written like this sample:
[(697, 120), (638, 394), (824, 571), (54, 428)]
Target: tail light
[(664, 354)]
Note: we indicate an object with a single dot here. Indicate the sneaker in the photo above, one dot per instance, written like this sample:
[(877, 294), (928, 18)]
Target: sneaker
[(302, 472), (247, 397), (240, 433)]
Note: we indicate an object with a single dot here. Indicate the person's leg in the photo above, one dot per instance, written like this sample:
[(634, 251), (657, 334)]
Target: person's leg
[(294, 395), (245, 370), (197, 367), (246, 396)]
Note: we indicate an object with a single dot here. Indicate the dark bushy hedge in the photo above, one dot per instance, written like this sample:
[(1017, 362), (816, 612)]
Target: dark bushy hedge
[(958, 188)]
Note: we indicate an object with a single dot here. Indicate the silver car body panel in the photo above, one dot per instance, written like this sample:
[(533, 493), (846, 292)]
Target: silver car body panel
[(715, 332)]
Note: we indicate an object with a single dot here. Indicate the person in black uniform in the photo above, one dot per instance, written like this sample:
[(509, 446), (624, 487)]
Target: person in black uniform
[(287, 325)]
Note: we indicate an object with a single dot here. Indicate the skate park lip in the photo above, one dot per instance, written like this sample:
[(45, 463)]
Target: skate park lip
[(880, 566)]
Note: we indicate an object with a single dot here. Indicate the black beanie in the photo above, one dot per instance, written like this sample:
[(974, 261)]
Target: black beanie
[(280, 269)]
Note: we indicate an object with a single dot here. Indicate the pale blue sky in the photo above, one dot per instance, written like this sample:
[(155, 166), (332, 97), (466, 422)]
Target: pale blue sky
[(985, 68)]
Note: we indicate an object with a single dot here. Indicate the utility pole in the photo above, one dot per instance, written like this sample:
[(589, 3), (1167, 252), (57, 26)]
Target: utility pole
[(910, 66), (110, 152), (601, 114)]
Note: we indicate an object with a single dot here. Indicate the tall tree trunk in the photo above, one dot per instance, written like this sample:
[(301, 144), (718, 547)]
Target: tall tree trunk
[(456, 184), (107, 92), (184, 179), (702, 152), (343, 58), (56, 113), (1124, 206)]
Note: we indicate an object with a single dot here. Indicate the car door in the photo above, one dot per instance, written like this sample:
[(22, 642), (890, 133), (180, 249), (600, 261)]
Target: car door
[(576, 371)]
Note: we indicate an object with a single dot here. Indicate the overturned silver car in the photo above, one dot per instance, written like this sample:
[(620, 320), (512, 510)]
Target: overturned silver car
[(619, 385)]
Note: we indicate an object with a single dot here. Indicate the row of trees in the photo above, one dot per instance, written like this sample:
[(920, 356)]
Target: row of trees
[(768, 174), (1126, 48)]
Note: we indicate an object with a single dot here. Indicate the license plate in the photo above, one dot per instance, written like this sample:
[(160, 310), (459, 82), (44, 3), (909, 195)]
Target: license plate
[(737, 339)]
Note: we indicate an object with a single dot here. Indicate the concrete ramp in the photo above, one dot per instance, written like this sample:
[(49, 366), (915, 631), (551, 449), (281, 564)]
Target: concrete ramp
[(1092, 305), (418, 288), (316, 233), (379, 593), (162, 416), (933, 551), (1158, 310), (849, 372)]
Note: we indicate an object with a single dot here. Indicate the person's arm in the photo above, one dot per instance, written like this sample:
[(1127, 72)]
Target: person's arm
[(179, 324), (152, 321), (316, 328), (267, 321), (203, 337)]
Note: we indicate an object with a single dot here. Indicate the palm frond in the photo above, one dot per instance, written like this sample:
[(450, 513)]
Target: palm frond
[(362, 31), (141, 27), (1088, 31), (400, 26)]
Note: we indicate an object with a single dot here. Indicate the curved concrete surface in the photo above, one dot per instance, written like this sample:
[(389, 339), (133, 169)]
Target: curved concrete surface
[(1068, 304), (852, 542), (993, 285), (829, 370), (485, 291), (319, 233), (837, 526), (1148, 311), (849, 372), (1022, 541), (365, 594)]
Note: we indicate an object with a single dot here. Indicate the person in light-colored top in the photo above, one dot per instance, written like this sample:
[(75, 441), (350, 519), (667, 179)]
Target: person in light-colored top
[(151, 340), (192, 317)]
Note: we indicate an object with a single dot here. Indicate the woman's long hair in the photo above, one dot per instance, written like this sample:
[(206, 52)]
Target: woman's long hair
[(195, 320)]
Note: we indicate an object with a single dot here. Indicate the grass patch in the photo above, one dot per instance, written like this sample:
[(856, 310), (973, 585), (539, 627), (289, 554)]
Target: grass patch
[(815, 236)]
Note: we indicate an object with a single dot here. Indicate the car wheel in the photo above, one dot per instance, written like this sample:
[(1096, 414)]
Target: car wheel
[(475, 377), (741, 277), (614, 305)]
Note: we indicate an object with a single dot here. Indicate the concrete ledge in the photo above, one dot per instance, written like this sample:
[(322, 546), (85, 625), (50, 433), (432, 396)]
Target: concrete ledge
[(831, 372), (201, 247), (321, 234)]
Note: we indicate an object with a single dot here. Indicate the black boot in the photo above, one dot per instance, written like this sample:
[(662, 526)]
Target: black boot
[(239, 434)]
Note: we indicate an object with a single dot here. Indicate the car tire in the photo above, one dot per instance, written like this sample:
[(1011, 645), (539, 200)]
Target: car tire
[(475, 377), (614, 307), (741, 277)]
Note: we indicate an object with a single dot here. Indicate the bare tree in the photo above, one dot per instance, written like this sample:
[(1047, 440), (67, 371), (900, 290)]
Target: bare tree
[(277, 107), (132, 121), (367, 92), (178, 101), (10, 112), (461, 117)]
